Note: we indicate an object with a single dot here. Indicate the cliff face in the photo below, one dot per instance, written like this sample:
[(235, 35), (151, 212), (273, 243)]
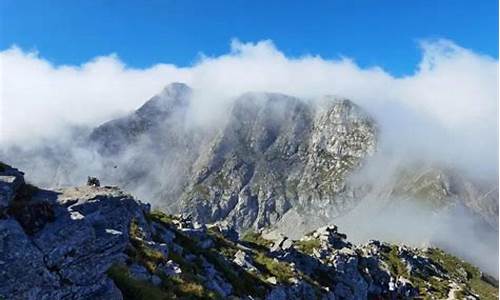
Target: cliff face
[(273, 153), (93, 242)]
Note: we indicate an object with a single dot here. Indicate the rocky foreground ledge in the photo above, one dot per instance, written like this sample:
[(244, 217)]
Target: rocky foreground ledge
[(94, 242)]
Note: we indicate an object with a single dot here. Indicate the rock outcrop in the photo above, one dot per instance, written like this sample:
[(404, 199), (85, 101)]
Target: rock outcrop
[(59, 244), (93, 242)]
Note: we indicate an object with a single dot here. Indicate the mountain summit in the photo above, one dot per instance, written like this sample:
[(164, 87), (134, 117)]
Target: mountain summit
[(274, 152)]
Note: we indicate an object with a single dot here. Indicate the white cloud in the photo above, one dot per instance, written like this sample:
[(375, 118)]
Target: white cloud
[(446, 110)]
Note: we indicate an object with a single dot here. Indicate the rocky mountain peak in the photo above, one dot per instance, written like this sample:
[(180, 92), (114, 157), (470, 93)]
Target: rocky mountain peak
[(173, 97), (277, 152), (112, 137)]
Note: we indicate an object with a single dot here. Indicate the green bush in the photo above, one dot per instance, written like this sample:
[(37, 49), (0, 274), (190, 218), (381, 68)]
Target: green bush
[(133, 289)]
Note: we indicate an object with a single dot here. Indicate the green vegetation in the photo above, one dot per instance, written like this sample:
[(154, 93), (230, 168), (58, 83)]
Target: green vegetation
[(396, 266), (433, 287), (160, 217), (225, 247), (141, 252), (308, 246), (133, 289), (187, 289), (244, 283), (455, 268), (187, 285), (485, 290), (221, 181), (175, 287), (256, 239), (280, 270), (429, 287)]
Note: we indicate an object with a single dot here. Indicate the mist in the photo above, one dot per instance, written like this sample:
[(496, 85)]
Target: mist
[(445, 111), (445, 114), (455, 230)]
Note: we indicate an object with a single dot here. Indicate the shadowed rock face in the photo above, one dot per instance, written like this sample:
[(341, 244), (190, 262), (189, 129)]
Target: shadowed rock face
[(103, 244)]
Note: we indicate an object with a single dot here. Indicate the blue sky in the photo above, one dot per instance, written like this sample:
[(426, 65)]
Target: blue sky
[(143, 33)]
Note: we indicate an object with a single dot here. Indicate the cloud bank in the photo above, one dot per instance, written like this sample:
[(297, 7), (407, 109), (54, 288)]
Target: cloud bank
[(446, 110)]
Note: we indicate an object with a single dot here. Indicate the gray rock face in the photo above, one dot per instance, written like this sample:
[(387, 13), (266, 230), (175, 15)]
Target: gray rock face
[(69, 255), (277, 152)]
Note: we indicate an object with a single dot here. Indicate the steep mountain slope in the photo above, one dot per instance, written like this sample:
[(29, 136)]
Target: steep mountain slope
[(167, 107), (273, 156), (152, 150), (277, 152), (273, 153), (93, 242)]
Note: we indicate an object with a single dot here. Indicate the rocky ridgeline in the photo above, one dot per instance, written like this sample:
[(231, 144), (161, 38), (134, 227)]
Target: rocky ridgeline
[(95, 242)]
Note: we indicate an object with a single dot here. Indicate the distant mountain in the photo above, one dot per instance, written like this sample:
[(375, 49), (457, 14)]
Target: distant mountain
[(98, 242), (274, 156), (273, 153)]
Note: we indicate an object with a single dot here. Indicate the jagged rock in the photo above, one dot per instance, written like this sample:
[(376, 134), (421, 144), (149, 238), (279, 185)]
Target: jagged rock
[(226, 230), (282, 243), (23, 271), (274, 153), (170, 268), (73, 244), (242, 259), (236, 185), (417, 264), (272, 280)]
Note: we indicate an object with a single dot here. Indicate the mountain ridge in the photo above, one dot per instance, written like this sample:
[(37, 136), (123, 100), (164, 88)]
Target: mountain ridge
[(101, 243)]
